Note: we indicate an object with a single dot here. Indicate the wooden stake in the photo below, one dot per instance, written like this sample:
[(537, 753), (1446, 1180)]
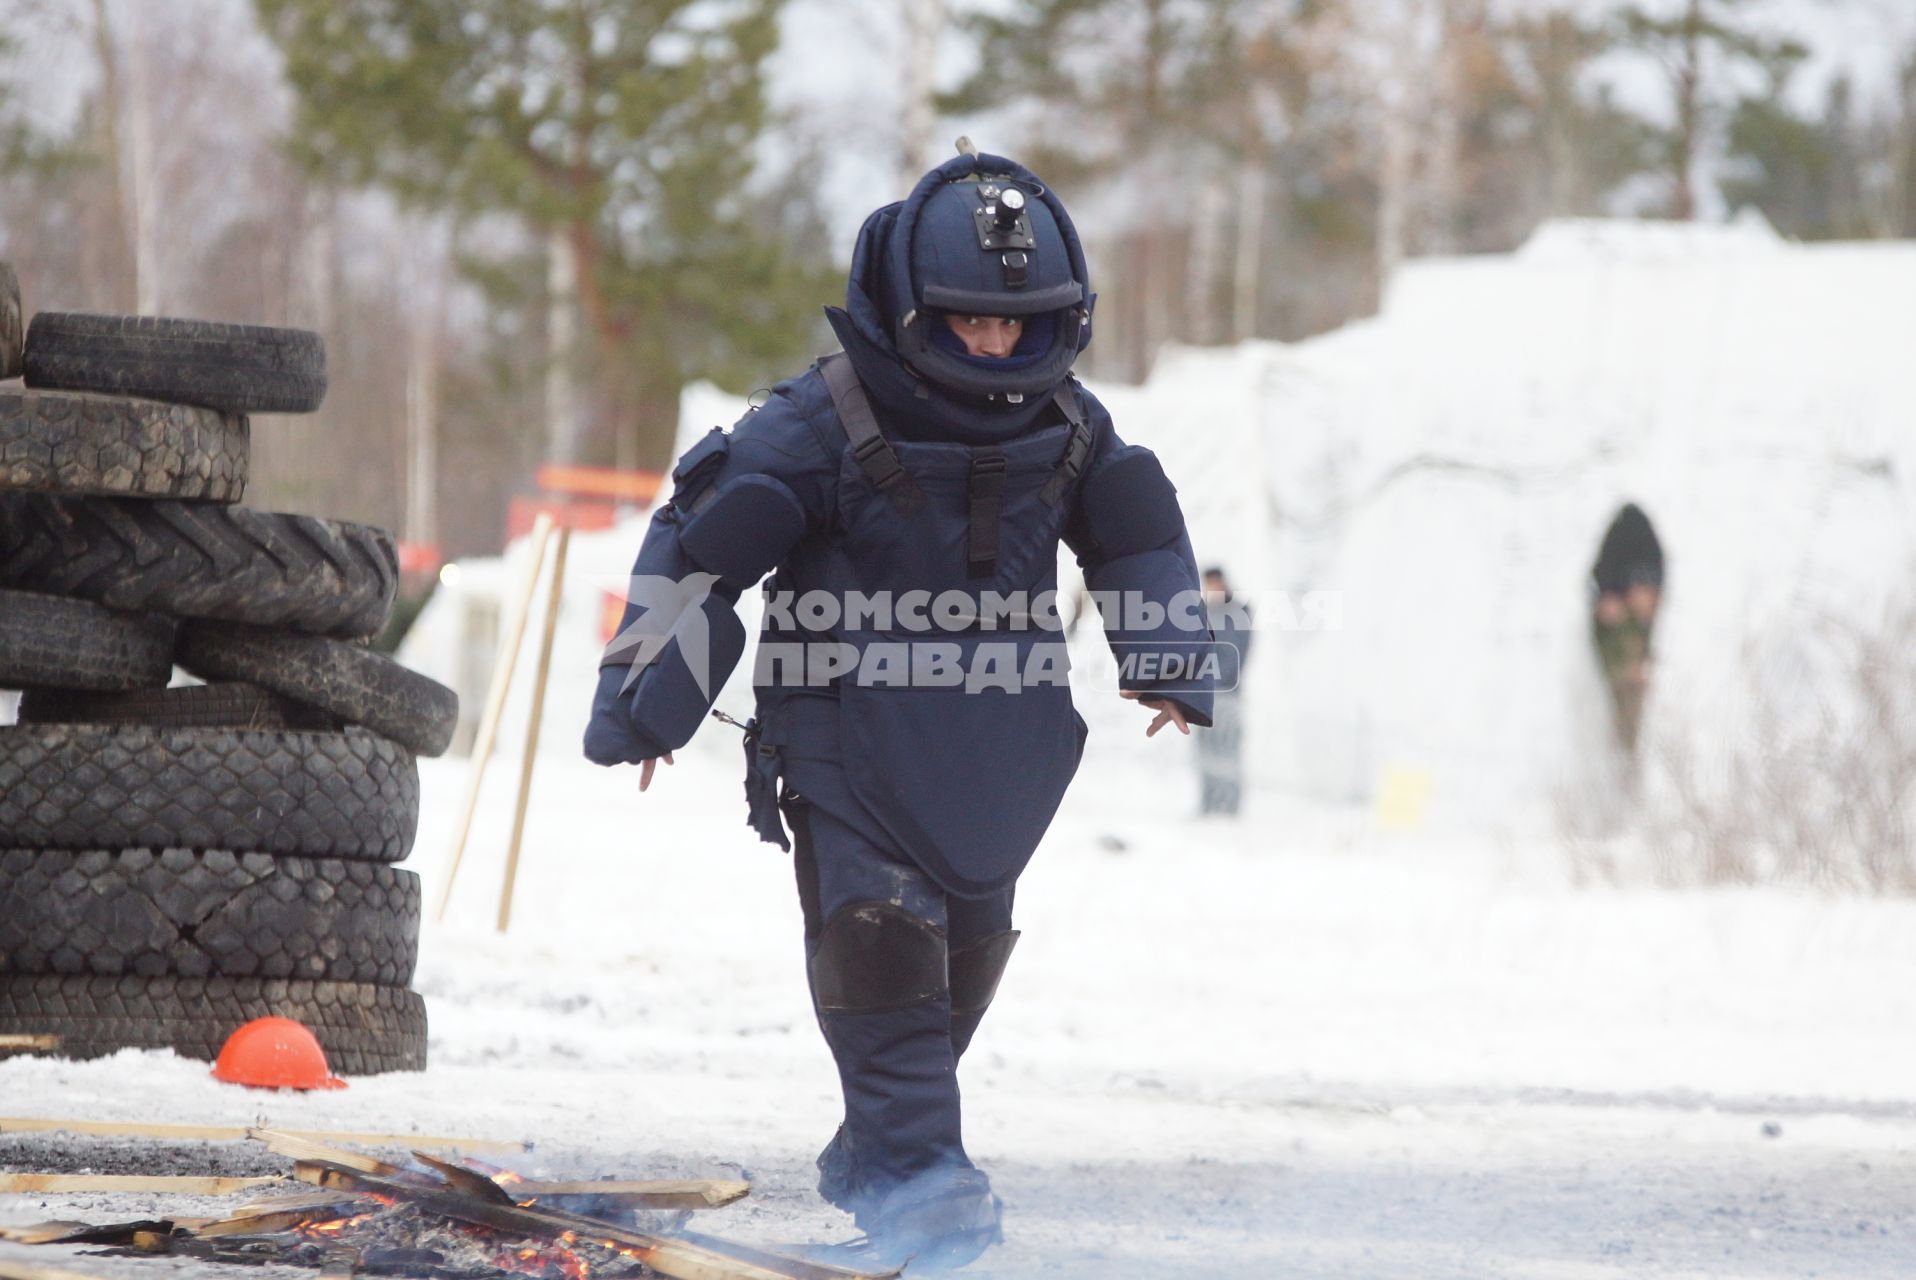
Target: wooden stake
[(532, 728), (507, 659), (119, 1183), (225, 1133)]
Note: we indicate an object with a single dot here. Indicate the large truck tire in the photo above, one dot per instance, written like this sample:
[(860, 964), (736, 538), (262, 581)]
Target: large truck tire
[(364, 1029), (354, 683), (49, 642), (197, 914), (235, 368), (348, 795), (201, 560), (188, 706), (80, 443)]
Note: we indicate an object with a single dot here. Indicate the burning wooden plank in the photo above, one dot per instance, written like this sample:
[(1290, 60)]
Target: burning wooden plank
[(297, 1200), (127, 1184), (40, 1232), (467, 1181), (152, 1241), (648, 1193), (651, 1193), (109, 1233), (227, 1133), (299, 1146), (273, 1221), (656, 1193), (679, 1259)]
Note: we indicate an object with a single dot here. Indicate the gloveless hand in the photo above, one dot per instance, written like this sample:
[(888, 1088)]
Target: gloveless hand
[(1168, 712)]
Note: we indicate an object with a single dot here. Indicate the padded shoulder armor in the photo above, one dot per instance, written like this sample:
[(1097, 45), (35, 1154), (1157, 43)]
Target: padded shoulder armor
[(741, 528), (1130, 505)]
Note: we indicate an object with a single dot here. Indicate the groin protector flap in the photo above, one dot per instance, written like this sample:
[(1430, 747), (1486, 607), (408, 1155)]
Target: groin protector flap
[(965, 783)]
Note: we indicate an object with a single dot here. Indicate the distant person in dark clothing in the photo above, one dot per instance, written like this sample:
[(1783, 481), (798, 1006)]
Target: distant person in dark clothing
[(1628, 580), (1220, 752)]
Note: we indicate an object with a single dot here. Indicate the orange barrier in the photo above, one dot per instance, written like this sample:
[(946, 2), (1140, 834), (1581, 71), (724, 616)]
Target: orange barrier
[(599, 482)]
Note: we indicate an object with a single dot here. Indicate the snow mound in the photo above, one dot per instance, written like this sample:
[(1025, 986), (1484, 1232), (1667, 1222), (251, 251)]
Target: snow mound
[(1583, 240), (1450, 465)]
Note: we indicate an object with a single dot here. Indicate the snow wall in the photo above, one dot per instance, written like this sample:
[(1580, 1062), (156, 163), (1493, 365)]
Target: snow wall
[(1447, 469)]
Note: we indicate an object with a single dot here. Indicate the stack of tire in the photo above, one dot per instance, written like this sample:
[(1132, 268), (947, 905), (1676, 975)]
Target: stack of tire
[(175, 861)]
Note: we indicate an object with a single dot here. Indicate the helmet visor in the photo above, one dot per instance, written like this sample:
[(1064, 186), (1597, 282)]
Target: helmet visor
[(984, 302)]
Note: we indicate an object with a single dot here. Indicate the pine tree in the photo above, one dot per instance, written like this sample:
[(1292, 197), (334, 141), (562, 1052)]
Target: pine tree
[(1102, 79), (621, 132), (1800, 171), (1577, 145), (1178, 109), (1699, 47)]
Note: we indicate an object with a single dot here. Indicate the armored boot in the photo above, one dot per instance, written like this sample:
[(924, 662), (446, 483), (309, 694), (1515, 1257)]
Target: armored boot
[(878, 977), (941, 1219), (975, 969), (974, 973)]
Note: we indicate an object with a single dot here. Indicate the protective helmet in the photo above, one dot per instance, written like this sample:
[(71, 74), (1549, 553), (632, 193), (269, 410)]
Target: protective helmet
[(981, 235), (275, 1053)]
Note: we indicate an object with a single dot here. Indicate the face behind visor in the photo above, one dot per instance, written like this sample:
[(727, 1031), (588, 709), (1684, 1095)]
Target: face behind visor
[(982, 236)]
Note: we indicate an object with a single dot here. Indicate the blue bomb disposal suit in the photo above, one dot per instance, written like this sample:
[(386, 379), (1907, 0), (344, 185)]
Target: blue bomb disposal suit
[(918, 753)]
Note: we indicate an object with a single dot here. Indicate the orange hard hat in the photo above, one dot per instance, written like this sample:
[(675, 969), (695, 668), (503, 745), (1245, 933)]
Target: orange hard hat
[(275, 1053)]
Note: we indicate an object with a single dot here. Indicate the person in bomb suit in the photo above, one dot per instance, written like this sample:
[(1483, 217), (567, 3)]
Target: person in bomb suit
[(946, 450)]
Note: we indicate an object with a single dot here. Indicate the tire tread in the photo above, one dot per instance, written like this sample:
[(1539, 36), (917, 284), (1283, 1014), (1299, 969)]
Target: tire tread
[(364, 1029), (201, 560), (321, 795), (236, 368)]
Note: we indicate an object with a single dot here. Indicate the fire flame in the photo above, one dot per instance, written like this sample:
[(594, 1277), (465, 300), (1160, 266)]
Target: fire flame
[(533, 1260), (558, 1260)]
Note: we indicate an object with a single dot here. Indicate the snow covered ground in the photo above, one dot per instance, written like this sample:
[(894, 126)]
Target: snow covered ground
[(1280, 1047)]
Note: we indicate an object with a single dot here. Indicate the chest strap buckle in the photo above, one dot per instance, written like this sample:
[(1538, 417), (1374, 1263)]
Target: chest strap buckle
[(987, 503)]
